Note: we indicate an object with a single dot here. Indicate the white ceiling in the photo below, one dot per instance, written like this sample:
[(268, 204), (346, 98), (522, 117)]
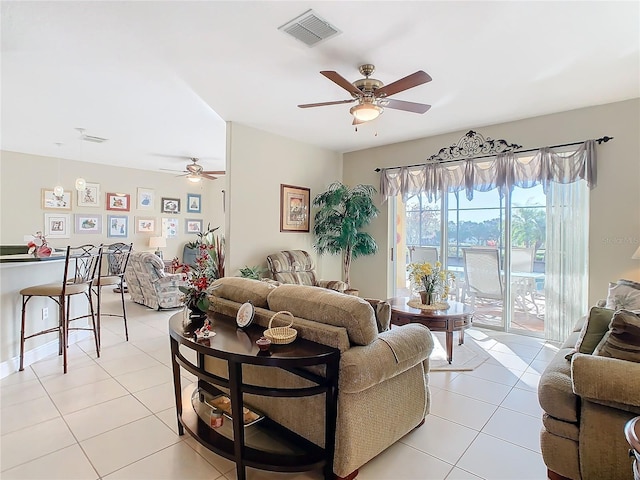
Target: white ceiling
[(161, 78)]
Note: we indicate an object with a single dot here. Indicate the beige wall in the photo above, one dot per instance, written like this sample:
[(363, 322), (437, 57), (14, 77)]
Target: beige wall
[(258, 162), (615, 202), (23, 176)]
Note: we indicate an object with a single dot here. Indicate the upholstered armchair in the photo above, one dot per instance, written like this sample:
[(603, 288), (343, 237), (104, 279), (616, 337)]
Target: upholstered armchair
[(297, 267), (149, 284)]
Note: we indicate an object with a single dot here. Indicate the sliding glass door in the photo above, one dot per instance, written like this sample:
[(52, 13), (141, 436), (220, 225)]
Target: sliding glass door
[(496, 247)]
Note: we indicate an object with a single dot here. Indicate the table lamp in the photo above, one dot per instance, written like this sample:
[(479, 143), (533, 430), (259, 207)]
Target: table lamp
[(158, 243)]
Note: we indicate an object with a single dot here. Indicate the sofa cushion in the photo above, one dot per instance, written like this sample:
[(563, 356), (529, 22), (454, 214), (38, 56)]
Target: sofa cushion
[(624, 294), (596, 326), (327, 306), (555, 391), (622, 341), (243, 290)]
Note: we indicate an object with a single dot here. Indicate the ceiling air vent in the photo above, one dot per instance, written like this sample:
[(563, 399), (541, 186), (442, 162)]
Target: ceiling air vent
[(310, 29), (94, 139)]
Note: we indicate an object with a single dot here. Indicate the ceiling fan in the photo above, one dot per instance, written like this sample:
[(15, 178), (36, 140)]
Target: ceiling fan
[(195, 173), (372, 95)]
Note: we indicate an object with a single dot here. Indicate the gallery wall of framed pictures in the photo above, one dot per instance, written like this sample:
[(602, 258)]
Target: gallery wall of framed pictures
[(121, 215)]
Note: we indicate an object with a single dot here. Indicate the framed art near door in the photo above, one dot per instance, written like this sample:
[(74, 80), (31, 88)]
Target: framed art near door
[(294, 208)]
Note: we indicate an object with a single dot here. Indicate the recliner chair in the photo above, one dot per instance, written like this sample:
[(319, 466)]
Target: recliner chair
[(297, 267), (149, 284)]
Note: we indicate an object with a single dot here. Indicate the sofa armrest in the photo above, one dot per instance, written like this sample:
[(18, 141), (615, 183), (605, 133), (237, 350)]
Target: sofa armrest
[(392, 353), (171, 279), (336, 285), (608, 381)]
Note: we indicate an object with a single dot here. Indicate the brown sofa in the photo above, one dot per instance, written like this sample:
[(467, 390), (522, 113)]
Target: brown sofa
[(383, 387), (586, 401)]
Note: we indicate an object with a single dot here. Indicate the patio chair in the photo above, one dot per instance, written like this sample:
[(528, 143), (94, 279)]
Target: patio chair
[(522, 263), (424, 254), (482, 275)]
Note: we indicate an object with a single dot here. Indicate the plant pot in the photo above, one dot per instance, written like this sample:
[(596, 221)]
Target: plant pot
[(426, 298)]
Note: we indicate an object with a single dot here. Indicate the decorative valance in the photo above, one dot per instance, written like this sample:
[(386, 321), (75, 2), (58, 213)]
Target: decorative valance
[(501, 167)]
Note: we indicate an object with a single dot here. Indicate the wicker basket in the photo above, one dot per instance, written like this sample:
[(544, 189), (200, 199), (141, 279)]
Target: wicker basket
[(281, 335)]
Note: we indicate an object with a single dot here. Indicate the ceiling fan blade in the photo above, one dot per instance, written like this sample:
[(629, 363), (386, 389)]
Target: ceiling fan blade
[(358, 122), (405, 83), (210, 177), (406, 106), (322, 104), (338, 79), (214, 172), (170, 170)]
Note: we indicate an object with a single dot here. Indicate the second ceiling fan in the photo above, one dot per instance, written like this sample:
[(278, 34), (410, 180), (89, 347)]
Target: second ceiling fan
[(372, 95), (194, 171)]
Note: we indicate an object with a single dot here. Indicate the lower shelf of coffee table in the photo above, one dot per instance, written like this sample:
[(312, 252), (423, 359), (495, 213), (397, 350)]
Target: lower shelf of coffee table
[(267, 445)]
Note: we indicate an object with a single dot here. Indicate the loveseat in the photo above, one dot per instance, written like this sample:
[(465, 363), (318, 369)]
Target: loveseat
[(383, 387), (587, 396), (148, 283)]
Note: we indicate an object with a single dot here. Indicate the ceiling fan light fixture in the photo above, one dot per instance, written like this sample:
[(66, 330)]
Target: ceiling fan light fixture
[(193, 178), (366, 112)]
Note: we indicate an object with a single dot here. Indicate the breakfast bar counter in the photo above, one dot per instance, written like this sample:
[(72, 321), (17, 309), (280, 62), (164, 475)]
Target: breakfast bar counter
[(19, 271)]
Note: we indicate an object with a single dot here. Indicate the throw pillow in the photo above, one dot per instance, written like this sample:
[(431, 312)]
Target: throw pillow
[(624, 294), (623, 339), (596, 326), (382, 311)]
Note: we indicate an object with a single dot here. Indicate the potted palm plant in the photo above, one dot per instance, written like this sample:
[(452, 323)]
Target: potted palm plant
[(342, 214)]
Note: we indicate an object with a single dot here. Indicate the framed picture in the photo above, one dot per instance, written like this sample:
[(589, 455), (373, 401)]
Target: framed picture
[(117, 226), (90, 196), (170, 205), (57, 225), (119, 201), (193, 203), (51, 202), (146, 198), (145, 225), (170, 227), (294, 208), (88, 223), (193, 225)]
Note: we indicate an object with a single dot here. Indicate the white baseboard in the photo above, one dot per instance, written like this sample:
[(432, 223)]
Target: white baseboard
[(11, 366)]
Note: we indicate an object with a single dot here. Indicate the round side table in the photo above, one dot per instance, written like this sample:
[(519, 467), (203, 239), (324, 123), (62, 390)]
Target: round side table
[(632, 432)]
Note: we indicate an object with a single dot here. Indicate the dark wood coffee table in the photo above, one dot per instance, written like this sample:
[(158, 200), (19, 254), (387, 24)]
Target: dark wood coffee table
[(457, 318)]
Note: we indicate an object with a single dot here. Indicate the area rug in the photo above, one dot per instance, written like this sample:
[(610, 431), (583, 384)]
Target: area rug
[(466, 357)]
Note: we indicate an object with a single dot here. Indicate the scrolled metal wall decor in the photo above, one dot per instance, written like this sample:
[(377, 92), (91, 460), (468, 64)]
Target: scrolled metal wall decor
[(472, 144)]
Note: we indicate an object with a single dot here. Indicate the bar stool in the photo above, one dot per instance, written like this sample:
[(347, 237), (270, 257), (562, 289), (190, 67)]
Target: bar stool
[(113, 263), (79, 272)]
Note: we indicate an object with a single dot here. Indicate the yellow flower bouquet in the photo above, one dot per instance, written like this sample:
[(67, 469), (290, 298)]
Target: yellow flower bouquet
[(433, 280)]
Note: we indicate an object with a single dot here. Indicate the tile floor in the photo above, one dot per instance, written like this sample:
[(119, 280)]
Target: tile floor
[(113, 417)]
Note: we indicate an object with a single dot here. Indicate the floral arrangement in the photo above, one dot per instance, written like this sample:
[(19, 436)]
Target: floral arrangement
[(38, 246), (433, 279), (200, 279)]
